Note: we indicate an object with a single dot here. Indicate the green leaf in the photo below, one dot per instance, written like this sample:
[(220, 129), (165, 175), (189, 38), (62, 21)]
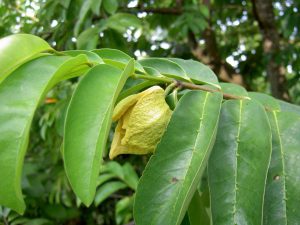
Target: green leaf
[(166, 68), (17, 49), (198, 72), (282, 187), (20, 95), (266, 100), (94, 58), (95, 6), (116, 58), (239, 163), (123, 210), (107, 190), (110, 6), (288, 107), (123, 21), (88, 39), (174, 171), (130, 176), (197, 211), (85, 7), (87, 125), (104, 177), (233, 89)]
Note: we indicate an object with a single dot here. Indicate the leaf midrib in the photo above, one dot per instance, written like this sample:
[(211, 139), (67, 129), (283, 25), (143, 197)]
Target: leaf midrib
[(282, 162)]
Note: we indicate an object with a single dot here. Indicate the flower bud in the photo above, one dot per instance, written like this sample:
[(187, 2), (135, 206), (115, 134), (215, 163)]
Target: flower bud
[(142, 120)]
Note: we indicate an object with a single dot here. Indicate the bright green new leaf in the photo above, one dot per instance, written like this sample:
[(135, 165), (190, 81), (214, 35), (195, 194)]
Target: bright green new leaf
[(87, 125), (17, 49), (20, 95), (238, 164), (198, 72), (174, 171), (282, 196)]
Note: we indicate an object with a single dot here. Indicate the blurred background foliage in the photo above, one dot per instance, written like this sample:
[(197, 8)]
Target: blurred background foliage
[(252, 43)]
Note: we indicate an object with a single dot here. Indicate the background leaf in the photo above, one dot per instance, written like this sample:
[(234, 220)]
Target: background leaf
[(19, 98)]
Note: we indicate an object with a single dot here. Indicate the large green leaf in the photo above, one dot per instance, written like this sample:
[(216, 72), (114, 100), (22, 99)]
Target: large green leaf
[(282, 196), (17, 49), (87, 125), (20, 95), (174, 171), (239, 162), (166, 68), (198, 72)]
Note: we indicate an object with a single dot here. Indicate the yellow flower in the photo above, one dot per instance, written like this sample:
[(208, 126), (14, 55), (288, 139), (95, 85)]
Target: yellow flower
[(142, 121)]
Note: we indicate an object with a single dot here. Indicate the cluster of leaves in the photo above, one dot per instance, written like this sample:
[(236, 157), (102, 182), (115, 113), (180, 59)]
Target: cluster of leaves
[(244, 149), (163, 28)]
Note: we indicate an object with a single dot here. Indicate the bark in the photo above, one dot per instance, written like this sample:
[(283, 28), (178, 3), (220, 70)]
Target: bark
[(264, 14)]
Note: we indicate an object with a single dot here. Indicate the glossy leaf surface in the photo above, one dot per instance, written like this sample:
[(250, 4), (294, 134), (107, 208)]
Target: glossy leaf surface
[(166, 68), (116, 58), (174, 171), (282, 189), (239, 162), (198, 72), (20, 95), (87, 125), (17, 49)]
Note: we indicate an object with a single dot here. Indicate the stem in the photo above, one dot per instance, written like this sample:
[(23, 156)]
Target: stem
[(187, 85)]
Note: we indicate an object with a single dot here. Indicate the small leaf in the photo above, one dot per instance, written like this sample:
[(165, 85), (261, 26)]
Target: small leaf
[(17, 49), (85, 7), (20, 95), (110, 6), (123, 21), (239, 162), (88, 39), (87, 125), (174, 171), (198, 72), (166, 68), (107, 190), (282, 196), (95, 6)]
